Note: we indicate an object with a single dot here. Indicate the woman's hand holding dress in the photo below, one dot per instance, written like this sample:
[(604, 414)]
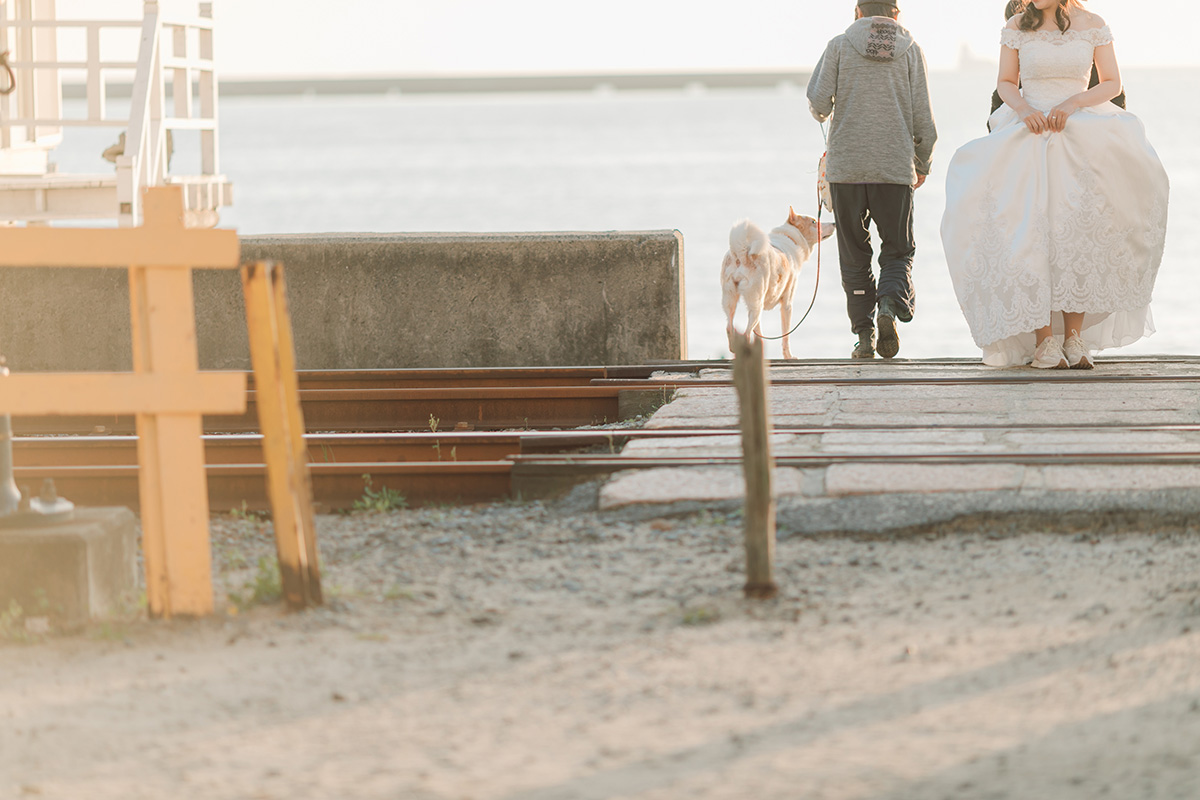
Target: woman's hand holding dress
[(1034, 120), (1056, 120)]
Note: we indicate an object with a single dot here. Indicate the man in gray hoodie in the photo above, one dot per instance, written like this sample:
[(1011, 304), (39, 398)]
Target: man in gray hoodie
[(873, 81)]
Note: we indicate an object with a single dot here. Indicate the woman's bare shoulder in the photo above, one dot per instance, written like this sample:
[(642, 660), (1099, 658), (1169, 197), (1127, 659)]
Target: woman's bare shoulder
[(1014, 23)]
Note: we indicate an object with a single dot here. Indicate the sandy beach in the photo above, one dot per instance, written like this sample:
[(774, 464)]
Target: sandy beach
[(539, 651)]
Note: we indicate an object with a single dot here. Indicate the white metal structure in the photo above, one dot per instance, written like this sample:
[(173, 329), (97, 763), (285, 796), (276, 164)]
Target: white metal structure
[(32, 121)]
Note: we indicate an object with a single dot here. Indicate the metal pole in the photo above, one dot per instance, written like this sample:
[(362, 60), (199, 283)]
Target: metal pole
[(10, 495), (15, 509)]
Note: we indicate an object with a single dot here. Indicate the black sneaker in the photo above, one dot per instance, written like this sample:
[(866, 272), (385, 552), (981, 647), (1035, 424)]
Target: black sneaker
[(889, 337), (865, 348)]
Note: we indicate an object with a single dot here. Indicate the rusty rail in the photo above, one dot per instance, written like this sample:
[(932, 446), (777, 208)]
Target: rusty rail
[(378, 422), (483, 408)]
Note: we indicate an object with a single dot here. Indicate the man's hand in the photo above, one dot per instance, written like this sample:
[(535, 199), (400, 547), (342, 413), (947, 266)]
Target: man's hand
[(920, 181)]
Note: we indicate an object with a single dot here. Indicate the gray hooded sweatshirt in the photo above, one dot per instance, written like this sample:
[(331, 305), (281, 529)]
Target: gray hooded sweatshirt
[(874, 82)]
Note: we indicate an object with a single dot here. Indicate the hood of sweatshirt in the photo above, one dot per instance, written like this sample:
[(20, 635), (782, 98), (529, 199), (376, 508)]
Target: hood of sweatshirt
[(879, 38)]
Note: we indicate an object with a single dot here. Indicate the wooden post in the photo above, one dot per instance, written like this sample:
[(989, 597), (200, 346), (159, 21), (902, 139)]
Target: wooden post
[(750, 379), (173, 486), (277, 399)]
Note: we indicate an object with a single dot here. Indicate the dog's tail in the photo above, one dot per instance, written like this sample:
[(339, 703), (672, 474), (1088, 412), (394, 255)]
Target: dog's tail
[(747, 241)]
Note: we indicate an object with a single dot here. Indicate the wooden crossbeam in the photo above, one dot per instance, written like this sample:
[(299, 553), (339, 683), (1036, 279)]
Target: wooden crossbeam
[(163, 241), (118, 247), (66, 394)]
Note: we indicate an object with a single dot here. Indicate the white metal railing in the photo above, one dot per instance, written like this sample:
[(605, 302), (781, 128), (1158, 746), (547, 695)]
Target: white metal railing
[(34, 114)]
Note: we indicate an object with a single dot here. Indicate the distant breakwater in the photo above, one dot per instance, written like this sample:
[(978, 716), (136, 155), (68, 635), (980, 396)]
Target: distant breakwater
[(235, 87)]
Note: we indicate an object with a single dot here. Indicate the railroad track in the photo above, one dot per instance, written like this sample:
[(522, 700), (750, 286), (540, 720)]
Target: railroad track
[(438, 436), (505, 399), (454, 436), (414, 400)]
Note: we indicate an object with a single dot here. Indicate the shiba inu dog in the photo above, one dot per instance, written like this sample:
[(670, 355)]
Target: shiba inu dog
[(762, 268)]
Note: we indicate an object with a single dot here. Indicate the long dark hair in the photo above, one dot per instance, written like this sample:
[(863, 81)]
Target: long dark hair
[(1032, 18)]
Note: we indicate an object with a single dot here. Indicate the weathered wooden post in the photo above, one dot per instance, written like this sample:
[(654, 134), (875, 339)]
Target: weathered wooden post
[(750, 379), (277, 398)]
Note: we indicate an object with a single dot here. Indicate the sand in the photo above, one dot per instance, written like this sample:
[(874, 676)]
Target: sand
[(513, 652)]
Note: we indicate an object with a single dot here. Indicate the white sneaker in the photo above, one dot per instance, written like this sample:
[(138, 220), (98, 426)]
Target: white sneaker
[(1049, 355), (1076, 352)]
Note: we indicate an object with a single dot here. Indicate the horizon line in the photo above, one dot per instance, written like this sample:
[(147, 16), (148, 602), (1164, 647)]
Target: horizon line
[(366, 83)]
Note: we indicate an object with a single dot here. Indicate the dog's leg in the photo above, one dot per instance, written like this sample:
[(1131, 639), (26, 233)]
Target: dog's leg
[(786, 312), (729, 301), (754, 320)]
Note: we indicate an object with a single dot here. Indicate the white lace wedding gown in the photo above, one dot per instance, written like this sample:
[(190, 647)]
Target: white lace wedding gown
[(1071, 221)]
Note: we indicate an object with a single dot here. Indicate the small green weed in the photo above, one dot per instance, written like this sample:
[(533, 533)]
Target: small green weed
[(265, 587), (433, 428), (230, 558), (12, 623), (396, 593), (247, 514), (379, 501), (700, 615), (109, 632), (17, 624), (437, 448)]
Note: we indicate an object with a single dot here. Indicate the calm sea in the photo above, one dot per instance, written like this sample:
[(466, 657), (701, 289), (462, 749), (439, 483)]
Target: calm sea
[(692, 160)]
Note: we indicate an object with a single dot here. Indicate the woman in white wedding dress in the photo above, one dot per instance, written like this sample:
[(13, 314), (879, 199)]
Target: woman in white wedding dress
[(1055, 222)]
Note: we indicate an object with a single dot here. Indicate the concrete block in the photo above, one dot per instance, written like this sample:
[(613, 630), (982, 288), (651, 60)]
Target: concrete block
[(907, 442), (475, 300), (710, 446), (700, 401), (922, 404), (696, 422), (1115, 478), (633, 403), (709, 403), (379, 301), (686, 446), (66, 320), (1117, 441), (849, 479), (682, 484), (73, 572), (719, 445)]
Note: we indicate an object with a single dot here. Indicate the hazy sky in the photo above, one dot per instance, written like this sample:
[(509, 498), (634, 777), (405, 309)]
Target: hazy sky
[(268, 37)]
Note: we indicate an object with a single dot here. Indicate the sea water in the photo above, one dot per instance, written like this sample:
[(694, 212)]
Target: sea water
[(691, 160)]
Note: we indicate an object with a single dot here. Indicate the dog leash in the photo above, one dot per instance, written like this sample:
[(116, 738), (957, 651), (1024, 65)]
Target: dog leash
[(817, 283)]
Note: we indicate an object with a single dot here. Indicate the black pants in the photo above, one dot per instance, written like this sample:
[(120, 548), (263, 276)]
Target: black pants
[(855, 205)]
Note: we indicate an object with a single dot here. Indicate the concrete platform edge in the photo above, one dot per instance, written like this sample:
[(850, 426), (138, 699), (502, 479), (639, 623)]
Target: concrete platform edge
[(944, 513)]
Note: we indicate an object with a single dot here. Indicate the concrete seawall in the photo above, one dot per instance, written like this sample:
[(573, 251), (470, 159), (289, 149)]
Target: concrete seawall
[(377, 301)]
